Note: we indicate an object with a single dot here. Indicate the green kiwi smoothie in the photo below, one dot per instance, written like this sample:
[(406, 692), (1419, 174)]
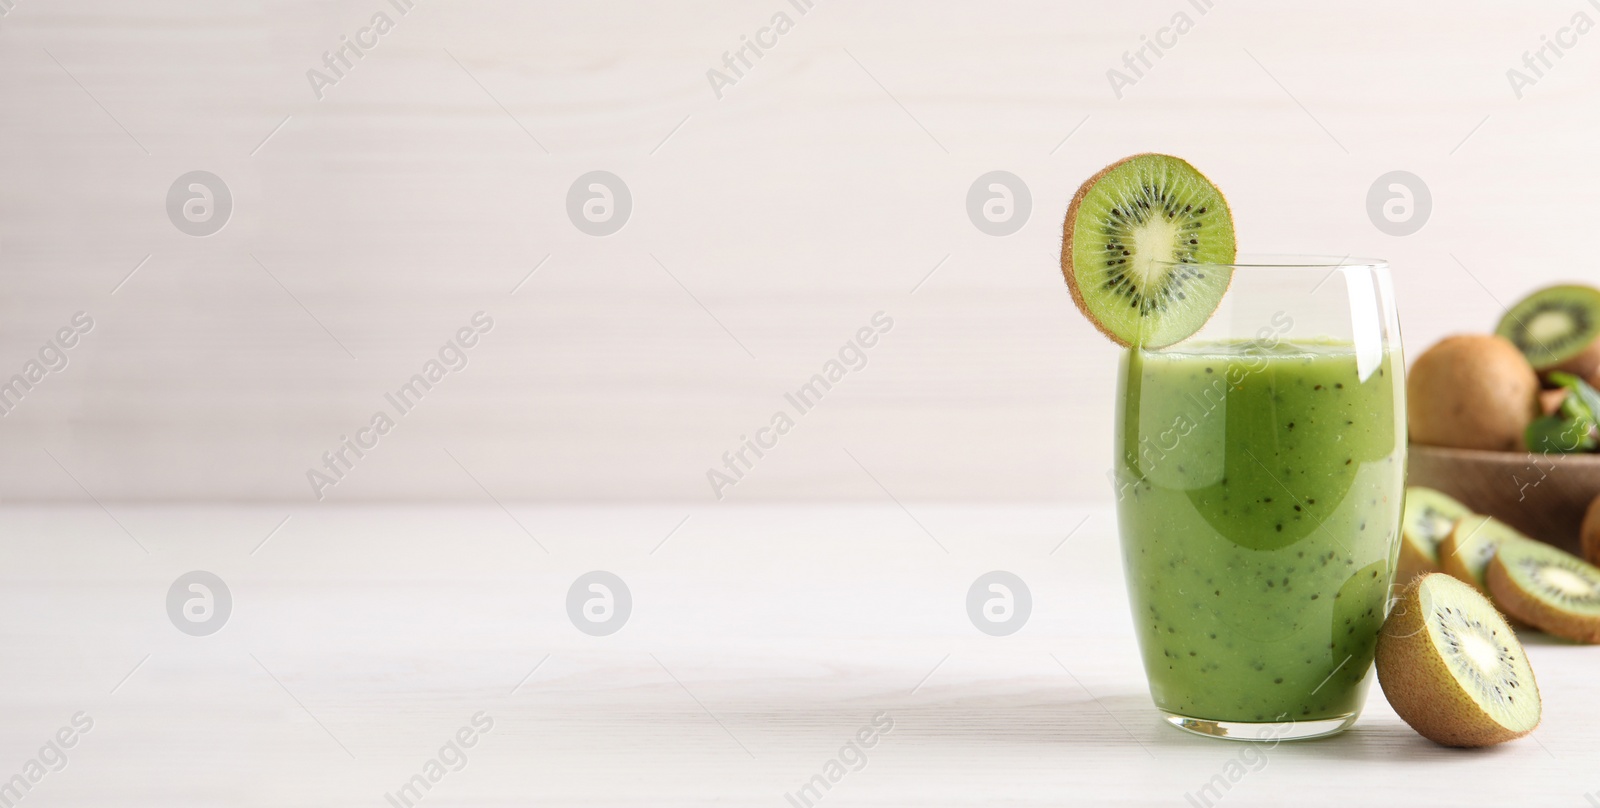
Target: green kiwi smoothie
[(1259, 495)]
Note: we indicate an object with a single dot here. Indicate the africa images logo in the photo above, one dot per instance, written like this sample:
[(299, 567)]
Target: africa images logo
[(52, 358), (451, 358), (52, 757), (338, 63), (851, 357)]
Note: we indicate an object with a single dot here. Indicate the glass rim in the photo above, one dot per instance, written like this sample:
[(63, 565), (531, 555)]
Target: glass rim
[(1291, 262)]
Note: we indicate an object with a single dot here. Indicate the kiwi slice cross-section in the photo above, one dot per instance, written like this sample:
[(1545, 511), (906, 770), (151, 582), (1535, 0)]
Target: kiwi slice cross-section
[(1429, 516), (1452, 667), (1548, 589), (1556, 328), (1465, 553), (1141, 248)]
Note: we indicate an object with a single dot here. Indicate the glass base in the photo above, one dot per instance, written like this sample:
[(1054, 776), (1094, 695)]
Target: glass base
[(1262, 731)]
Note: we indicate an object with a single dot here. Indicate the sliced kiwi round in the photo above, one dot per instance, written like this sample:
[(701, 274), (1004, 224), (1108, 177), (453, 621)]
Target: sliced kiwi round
[(1555, 326), (1452, 668), (1547, 589), (1133, 236), (1429, 516), (1465, 553)]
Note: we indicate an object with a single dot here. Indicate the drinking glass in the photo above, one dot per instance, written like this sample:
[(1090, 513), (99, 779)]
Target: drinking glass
[(1259, 471)]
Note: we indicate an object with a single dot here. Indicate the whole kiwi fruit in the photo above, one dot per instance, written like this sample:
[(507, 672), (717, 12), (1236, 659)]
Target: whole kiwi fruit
[(1550, 401), (1472, 391), (1589, 534)]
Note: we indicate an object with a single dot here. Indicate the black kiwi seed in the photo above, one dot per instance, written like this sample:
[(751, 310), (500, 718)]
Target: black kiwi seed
[(1535, 570), (1453, 624)]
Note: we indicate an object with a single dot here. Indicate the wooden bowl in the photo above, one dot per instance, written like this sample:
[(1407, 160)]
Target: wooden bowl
[(1541, 495)]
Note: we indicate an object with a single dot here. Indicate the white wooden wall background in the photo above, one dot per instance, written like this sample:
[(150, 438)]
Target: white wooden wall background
[(768, 226)]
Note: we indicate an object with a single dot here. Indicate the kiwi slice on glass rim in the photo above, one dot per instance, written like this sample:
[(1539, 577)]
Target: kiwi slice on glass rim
[(1452, 667), (1132, 236), (1429, 517), (1557, 328), (1547, 589)]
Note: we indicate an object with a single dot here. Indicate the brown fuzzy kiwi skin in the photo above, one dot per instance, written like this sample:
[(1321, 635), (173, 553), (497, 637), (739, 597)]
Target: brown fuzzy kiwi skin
[(1551, 400), (1420, 687), (1589, 534), (1472, 391), (1535, 612), (1072, 218)]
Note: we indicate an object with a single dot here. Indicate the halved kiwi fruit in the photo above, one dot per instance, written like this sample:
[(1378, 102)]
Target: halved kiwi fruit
[(1429, 517), (1453, 669), (1130, 237), (1556, 328), (1547, 589), (1465, 553)]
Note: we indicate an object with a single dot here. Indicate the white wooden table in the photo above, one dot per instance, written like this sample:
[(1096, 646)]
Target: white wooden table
[(760, 641)]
